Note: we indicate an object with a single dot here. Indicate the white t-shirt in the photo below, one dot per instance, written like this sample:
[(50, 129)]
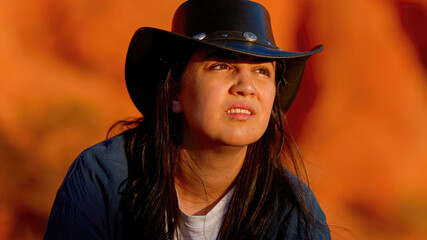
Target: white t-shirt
[(203, 227)]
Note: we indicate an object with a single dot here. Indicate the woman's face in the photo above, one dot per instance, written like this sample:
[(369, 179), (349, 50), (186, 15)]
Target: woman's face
[(226, 99)]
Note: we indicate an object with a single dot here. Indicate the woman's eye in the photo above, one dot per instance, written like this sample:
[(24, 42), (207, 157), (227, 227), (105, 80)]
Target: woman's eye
[(220, 66), (263, 71)]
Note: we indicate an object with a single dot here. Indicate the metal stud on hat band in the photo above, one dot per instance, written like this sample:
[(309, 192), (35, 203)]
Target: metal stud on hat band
[(250, 36), (200, 36)]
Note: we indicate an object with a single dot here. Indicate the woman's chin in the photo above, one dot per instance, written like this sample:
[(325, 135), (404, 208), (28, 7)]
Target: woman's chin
[(239, 141)]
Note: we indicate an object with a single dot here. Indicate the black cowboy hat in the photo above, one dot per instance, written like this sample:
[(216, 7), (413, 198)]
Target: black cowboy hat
[(239, 26)]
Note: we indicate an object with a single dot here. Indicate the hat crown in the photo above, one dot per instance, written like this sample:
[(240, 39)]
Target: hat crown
[(223, 16)]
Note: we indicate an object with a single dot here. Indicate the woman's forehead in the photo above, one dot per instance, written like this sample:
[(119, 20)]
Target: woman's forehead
[(207, 54)]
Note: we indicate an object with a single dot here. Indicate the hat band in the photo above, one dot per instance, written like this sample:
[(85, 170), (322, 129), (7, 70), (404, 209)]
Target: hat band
[(235, 35)]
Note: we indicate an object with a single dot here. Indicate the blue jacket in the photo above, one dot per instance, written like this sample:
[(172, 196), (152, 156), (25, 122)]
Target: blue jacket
[(87, 203)]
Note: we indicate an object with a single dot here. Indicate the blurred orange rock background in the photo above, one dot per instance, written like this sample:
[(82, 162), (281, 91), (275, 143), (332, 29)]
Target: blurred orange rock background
[(360, 118)]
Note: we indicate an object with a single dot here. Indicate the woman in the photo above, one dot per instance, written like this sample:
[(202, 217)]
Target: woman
[(205, 161)]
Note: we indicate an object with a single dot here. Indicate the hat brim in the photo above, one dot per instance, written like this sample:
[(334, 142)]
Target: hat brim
[(149, 47)]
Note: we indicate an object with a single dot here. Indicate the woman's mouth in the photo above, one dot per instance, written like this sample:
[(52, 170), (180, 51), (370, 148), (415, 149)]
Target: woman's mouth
[(240, 111)]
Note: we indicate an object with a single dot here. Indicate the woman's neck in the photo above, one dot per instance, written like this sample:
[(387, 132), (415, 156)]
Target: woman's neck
[(205, 176)]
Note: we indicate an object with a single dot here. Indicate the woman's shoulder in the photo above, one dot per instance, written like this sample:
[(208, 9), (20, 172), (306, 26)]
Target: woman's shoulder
[(107, 157), (300, 189), (98, 170), (87, 202), (292, 218)]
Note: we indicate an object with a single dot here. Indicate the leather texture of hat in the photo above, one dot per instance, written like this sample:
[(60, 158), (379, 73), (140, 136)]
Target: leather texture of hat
[(239, 26)]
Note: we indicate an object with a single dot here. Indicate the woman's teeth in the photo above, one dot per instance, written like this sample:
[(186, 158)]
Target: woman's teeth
[(239, 110)]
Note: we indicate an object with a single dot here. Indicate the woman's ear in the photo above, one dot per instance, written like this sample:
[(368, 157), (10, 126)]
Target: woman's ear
[(176, 105), (174, 93)]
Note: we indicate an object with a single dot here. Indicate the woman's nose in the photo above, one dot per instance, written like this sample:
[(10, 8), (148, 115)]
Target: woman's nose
[(244, 84)]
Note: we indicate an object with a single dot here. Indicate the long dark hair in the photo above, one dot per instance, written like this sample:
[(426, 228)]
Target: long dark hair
[(261, 190)]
